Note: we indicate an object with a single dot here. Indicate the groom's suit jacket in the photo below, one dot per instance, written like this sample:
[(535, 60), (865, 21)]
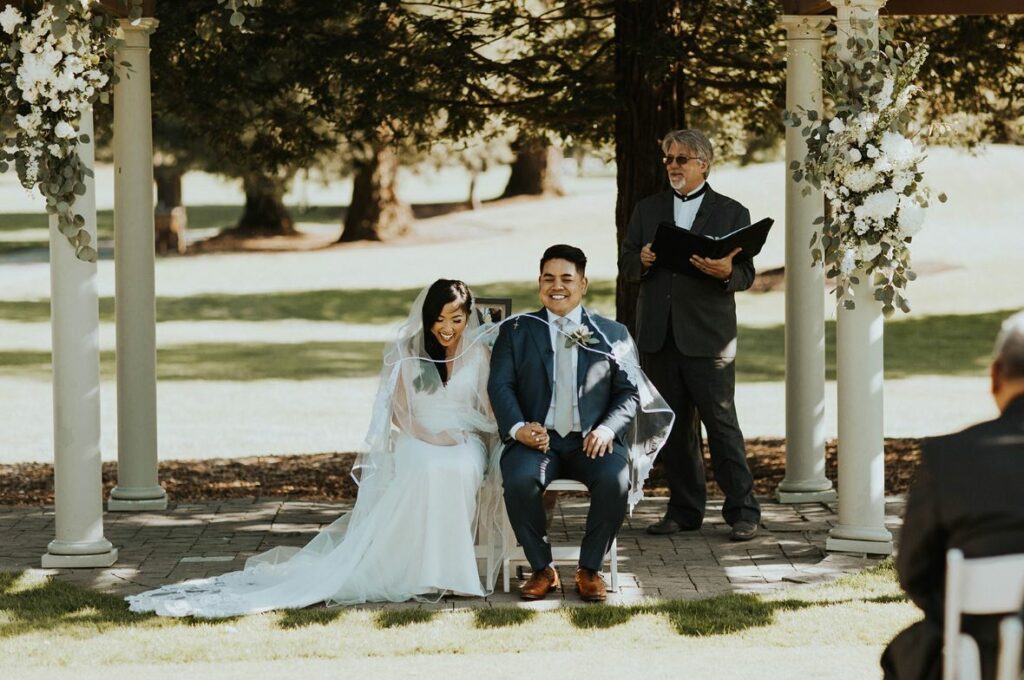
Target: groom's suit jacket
[(522, 375), (702, 311)]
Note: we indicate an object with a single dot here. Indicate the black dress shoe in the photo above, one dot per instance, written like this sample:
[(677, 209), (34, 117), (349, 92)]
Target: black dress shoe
[(667, 525), (743, 530)]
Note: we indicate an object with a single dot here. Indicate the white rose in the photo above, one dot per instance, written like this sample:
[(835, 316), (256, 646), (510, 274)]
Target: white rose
[(29, 43), (52, 57), (872, 151), (849, 261), (911, 217), (54, 105), (869, 251), (855, 155), (898, 149), (10, 19), (836, 125), (860, 179), (64, 130)]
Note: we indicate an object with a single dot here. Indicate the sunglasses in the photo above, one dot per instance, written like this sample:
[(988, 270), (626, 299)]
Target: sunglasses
[(678, 160)]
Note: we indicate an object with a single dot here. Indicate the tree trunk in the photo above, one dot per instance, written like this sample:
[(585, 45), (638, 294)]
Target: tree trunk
[(264, 212), (535, 170), (648, 110), (376, 213), (169, 220)]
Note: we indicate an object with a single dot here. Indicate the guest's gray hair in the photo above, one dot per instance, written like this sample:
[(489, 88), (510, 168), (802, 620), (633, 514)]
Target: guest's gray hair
[(1009, 352), (693, 140)]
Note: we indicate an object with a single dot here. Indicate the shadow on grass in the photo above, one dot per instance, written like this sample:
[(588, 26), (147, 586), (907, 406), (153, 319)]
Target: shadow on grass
[(314, 616), (396, 618), (51, 604), (502, 617), (694, 618)]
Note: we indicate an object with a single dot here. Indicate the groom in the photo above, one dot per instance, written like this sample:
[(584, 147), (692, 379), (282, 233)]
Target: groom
[(563, 411)]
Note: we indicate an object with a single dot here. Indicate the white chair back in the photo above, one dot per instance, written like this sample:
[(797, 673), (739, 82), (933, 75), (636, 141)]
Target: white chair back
[(984, 585)]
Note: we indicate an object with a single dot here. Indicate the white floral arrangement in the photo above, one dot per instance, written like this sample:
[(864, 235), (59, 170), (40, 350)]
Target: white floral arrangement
[(59, 60), (868, 164)]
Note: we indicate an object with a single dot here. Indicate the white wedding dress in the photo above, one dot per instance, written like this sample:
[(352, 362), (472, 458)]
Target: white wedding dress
[(422, 507)]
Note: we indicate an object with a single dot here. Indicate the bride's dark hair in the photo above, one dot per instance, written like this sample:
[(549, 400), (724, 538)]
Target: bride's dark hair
[(442, 292)]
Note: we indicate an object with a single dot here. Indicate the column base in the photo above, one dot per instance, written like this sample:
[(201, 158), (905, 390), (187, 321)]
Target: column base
[(827, 496), (860, 539), (854, 546), (117, 505), (51, 561), (79, 555), (137, 499)]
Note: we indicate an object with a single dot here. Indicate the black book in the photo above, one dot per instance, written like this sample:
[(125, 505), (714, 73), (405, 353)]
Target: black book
[(675, 246)]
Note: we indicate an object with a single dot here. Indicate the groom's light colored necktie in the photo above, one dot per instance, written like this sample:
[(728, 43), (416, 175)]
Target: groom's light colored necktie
[(565, 381)]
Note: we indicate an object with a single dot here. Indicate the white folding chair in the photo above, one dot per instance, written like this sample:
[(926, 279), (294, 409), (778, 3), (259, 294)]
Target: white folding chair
[(563, 553), (984, 585), (1011, 637)]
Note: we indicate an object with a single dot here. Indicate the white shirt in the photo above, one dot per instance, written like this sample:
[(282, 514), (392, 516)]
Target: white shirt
[(575, 318), (684, 212)]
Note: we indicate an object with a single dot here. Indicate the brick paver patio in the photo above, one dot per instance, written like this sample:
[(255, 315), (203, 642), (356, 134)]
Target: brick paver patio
[(191, 540)]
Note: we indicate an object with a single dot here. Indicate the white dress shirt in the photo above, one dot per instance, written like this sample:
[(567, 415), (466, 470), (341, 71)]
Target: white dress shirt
[(575, 318), (684, 212)]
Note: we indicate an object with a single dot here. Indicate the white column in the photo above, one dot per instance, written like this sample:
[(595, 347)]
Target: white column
[(134, 260), (805, 479), (859, 372), (75, 323)]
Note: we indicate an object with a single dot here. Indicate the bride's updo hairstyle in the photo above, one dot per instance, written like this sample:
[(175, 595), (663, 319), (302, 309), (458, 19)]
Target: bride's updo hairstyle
[(442, 292)]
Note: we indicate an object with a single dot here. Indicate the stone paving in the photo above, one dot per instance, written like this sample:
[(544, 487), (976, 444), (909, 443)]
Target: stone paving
[(194, 540)]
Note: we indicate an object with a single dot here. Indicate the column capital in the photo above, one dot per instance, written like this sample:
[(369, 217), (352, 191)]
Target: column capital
[(136, 34), (803, 27), (858, 8)]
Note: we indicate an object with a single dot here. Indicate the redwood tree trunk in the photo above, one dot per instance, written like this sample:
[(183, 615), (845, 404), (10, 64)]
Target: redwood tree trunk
[(169, 219), (648, 109), (535, 170), (264, 212), (376, 213)]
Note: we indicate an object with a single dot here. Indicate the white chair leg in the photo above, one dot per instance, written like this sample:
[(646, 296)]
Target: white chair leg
[(506, 576), (615, 565)]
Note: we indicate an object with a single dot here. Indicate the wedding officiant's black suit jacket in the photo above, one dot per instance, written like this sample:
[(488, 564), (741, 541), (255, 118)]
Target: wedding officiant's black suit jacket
[(966, 494), (702, 310)]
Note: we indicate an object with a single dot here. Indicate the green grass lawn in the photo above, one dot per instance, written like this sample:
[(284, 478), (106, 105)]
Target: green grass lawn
[(200, 217), (369, 305), (930, 345), (46, 623)]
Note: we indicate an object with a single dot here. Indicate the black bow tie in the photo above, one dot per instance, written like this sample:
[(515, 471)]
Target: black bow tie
[(689, 197)]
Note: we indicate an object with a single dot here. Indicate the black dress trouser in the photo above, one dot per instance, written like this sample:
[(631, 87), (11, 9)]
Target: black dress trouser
[(701, 390)]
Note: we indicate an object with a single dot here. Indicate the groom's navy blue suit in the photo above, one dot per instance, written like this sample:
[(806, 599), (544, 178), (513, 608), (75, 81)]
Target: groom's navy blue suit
[(520, 389)]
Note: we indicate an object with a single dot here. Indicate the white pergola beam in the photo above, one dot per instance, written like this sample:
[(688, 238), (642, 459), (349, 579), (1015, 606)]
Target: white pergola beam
[(859, 372), (75, 323), (805, 479), (134, 280)]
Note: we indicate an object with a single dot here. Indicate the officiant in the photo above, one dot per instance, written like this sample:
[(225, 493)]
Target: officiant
[(686, 333)]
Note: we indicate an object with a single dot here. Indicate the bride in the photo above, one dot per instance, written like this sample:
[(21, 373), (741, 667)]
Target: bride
[(429, 487)]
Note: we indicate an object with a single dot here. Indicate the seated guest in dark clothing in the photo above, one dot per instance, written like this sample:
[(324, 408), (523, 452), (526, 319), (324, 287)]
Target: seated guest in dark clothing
[(968, 493)]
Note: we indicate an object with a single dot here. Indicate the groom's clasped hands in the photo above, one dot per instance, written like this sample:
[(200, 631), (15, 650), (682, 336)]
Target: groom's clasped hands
[(595, 445)]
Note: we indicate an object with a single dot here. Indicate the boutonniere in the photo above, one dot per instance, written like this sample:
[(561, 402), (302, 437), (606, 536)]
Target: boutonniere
[(581, 336)]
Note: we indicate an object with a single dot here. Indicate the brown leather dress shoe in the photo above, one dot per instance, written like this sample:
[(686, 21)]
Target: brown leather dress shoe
[(590, 585), (540, 584)]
